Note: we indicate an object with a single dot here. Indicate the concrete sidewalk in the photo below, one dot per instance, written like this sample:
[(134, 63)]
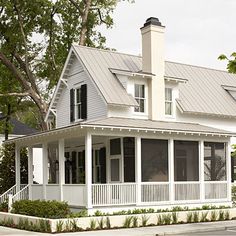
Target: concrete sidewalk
[(142, 231)]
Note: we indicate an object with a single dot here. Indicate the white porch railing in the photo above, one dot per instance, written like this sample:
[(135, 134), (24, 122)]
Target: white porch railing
[(23, 194), (113, 194), (216, 190), (187, 191), (154, 191), (12, 191)]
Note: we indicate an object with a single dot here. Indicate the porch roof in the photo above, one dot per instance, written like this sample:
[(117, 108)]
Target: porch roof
[(114, 123)]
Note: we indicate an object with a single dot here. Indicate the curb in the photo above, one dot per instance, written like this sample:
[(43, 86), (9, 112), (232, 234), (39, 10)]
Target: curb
[(207, 229)]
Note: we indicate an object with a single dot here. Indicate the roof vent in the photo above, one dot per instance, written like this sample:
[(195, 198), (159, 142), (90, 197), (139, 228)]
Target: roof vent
[(152, 21)]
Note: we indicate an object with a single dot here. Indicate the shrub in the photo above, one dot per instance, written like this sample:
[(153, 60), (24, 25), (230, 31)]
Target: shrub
[(135, 221), (204, 216), (159, 220), (108, 223), (93, 224), (174, 218), (4, 206), (196, 217), (227, 215), (145, 219), (189, 217), (167, 219), (127, 222), (101, 223), (214, 216), (221, 215), (45, 209)]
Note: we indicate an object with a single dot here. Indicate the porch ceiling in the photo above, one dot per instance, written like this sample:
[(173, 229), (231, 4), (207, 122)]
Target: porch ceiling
[(112, 123)]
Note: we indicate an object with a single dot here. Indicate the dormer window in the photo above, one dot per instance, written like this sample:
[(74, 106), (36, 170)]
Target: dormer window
[(139, 94), (168, 102)]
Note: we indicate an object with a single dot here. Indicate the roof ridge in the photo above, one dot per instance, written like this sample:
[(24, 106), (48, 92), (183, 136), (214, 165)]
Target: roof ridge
[(128, 54), (106, 50)]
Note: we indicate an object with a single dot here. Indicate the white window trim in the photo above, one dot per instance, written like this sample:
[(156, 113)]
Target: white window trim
[(172, 115), (145, 113), (76, 104)]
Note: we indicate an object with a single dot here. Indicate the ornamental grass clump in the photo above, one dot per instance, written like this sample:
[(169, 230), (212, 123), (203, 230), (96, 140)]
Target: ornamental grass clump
[(127, 221)]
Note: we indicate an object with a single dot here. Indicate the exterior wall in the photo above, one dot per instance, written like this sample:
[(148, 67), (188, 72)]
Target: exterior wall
[(219, 123), (128, 112), (96, 106)]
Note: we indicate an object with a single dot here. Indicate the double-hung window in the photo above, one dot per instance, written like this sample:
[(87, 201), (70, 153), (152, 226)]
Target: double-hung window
[(139, 94), (78, 103), (168, 102)]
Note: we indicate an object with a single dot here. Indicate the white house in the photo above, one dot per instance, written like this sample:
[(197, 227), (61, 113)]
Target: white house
[(135, 131)]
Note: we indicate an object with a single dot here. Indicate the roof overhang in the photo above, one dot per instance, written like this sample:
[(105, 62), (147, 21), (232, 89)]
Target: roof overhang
[(175, 79), (131, 73), (80, 129)]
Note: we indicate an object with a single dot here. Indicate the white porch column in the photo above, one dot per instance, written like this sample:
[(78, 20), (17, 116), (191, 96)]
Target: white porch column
[(171, 171), (30, 171), (61, 156), (17, 167), (45, 169), (138, 170), (88, 169), (228, 170), (201, 171)]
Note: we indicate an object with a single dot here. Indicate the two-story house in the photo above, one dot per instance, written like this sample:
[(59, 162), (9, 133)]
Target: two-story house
[(135, 131)]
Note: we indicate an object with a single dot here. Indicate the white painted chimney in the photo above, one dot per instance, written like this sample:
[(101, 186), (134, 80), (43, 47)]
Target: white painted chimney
[(153, 62)]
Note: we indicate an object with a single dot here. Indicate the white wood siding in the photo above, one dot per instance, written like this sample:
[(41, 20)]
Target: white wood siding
[(96, 106)]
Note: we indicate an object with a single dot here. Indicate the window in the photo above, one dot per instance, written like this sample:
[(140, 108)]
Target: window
[(154, 155), (214, 161), (168, 102), (78, 103), (186, 161), (139, 94)]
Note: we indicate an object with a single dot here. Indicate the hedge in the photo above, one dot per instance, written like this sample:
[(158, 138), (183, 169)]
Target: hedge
[(46, 209)]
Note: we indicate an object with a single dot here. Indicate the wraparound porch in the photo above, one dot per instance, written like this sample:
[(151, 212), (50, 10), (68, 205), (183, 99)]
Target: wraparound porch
[(143, 168)]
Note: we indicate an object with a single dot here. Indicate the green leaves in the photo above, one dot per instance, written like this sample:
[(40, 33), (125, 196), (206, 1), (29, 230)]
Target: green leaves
[(231, 65)]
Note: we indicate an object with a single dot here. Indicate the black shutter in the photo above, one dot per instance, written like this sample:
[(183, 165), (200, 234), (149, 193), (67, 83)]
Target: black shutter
[(73, 167), (84, 101), (102, 156), (72, 105), (232, 168)]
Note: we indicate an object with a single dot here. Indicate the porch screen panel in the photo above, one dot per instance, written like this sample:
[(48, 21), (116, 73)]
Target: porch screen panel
[(186, 161), (154, 160), (129, 159), (214, 161)]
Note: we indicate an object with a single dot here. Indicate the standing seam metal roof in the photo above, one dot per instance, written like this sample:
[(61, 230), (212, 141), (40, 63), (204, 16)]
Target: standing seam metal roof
[(203, 93)]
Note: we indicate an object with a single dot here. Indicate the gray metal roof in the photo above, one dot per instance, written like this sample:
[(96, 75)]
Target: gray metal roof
[(156, 125), (98, 62), (203, 93)]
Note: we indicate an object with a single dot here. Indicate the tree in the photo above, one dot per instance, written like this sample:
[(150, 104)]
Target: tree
[(35, 37), (7, 167), (231, 66)]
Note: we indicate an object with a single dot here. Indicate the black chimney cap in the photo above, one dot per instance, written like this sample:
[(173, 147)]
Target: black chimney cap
[(152, 21)]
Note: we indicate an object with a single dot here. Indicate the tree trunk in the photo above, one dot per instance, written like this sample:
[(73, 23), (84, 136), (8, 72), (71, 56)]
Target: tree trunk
[(7, 121)]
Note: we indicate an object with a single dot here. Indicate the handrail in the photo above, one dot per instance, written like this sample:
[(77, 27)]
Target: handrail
[(22, 194), (4, 196)]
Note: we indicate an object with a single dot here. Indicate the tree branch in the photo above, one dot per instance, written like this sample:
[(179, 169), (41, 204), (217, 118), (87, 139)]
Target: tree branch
[(76, 6), (14, 94), (99, 13)]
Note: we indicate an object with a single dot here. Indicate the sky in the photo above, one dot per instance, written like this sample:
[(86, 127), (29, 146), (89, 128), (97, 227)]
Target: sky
[(197, 31)]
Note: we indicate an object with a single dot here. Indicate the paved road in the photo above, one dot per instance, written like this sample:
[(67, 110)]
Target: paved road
[(209, 228), (229, 231)]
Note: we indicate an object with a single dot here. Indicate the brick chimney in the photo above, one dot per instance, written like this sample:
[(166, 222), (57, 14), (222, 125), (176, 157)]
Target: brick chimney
[(153, 62)]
